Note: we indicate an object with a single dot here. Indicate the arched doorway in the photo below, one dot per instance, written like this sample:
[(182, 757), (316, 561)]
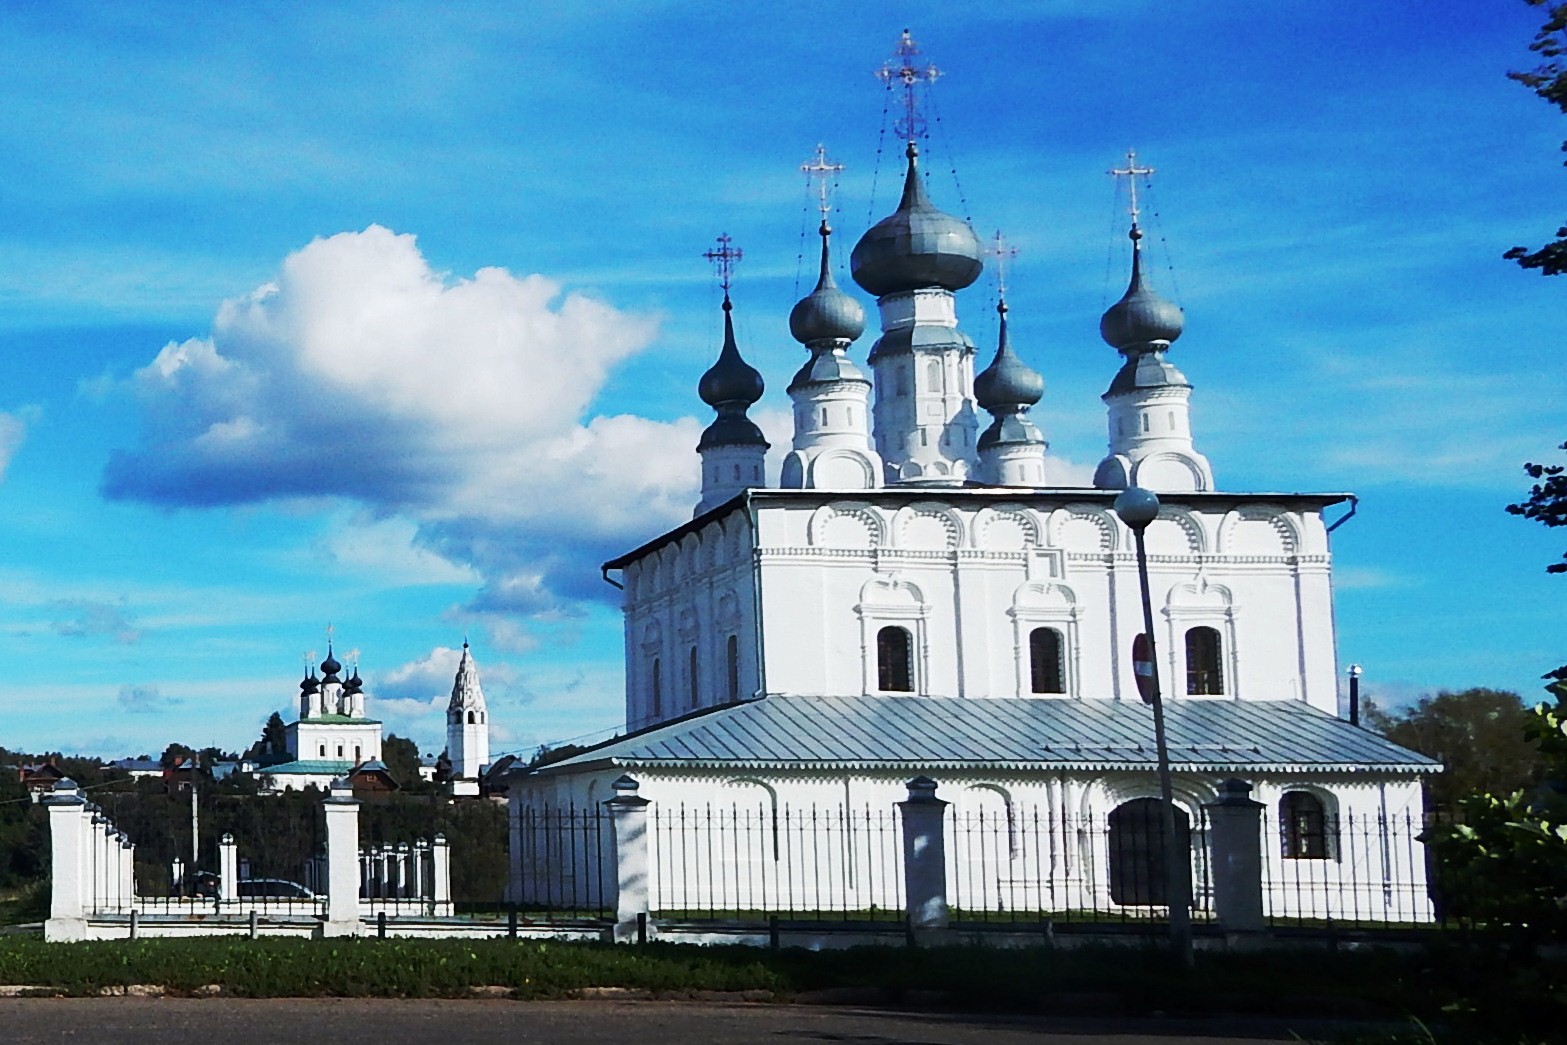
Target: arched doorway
[(1136, 851)]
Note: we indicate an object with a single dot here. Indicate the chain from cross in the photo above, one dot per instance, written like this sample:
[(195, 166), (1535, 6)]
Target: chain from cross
[(822, 171), (1130, 172), (724, 258), (1003, 252), (901, 68)]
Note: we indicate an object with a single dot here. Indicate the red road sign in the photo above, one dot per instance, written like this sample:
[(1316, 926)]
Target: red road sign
[(1142, 667)]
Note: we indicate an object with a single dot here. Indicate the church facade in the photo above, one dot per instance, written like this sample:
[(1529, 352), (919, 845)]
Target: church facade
[(332, 737), (916, 600)]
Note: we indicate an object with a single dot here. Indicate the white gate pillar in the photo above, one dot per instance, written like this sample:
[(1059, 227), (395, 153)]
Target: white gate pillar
[(441, 878), (228, 868), (1235, 844), (342, 862), (67, 844), (924, 855), (633, 869)]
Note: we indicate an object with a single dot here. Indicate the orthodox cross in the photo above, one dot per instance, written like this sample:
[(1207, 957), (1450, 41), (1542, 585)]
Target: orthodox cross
[(724, 258), (1130, 172), (901, 68), (1003, 252), (820, 170)]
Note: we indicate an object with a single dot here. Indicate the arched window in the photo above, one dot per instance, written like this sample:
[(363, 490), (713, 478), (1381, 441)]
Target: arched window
[(695, 691), (1204, 662), (1136, 851), (732, 659), (894, 660), (1046, 663), (1303, 827), (658, 689), (323, 750), (358, 753), (933, 375)]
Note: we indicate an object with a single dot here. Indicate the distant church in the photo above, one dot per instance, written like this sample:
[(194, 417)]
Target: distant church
[(916, 600), (334, 737)]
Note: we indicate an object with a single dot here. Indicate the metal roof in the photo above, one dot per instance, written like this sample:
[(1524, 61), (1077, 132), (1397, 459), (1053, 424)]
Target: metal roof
[(792, 732)]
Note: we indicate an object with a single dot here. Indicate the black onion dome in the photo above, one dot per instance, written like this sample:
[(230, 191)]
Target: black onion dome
[(916, 245), (729, 386), (1007, 381), (330, 667), (826, 313), (731, 379), (1141, 316), (354, 684), (309, 684)]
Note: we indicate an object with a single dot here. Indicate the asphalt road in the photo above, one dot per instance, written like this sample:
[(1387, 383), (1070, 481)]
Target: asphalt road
[(294, 1021)]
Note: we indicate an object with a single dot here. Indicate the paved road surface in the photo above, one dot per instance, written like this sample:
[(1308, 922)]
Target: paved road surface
[(292, 1021)]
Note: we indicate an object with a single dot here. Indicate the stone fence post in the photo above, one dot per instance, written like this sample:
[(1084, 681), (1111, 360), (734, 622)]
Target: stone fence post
[(68, 842), (441, 878), (342, 862), (633, 869), (924, 855), (228, 869), (1235, 844)]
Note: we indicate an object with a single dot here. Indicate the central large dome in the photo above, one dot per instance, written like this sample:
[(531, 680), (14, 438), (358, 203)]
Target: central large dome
[(916, 245)]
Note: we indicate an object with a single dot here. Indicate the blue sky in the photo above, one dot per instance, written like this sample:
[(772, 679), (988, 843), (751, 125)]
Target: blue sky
[(391, 315)]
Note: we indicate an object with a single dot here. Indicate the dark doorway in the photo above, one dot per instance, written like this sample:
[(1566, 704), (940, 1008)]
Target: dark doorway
[(1137, 867)]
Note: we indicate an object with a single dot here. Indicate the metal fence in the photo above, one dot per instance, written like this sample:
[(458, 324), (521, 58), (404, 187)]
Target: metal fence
[(1005, 866)]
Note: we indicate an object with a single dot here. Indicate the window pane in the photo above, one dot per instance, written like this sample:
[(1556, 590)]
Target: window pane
[(894, 667), (1204, 674), (1303, 827), (1045, 661)]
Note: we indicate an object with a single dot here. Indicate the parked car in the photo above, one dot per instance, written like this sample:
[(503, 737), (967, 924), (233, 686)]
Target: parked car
[(272, 888)]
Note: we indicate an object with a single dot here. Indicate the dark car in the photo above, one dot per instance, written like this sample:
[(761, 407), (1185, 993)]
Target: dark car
[(272, 888)]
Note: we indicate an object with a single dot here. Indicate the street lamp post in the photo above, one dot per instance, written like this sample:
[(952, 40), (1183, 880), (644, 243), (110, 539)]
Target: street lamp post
[(1354, 694), (1137, 508)]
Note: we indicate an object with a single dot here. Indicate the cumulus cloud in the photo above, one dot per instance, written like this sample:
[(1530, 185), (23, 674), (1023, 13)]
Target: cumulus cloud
[(143, 700), (89, 618), (461, 405)]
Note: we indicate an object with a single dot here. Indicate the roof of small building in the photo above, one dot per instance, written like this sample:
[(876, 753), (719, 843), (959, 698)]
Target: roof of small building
[(858, 732), (311, 767), (338, 720)]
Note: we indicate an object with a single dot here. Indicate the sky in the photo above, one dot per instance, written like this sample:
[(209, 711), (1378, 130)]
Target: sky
[(388, 317)]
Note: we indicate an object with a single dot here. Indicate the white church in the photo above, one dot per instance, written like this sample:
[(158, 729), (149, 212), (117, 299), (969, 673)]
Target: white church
[(916, 600), (334, 737)]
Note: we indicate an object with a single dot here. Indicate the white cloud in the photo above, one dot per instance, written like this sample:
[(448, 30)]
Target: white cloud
[(455, 411), (387, 549), (13, 430)]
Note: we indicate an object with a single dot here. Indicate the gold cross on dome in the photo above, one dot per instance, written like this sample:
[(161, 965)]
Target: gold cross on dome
[(724, 258), (1003, 252), (822, 171), (1130, 172), (901, 67)]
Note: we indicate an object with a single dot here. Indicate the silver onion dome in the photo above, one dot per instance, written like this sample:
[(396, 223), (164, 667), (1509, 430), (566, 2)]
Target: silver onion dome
[(916, 246), (1007, 381), (826, 313), (1141, 317)]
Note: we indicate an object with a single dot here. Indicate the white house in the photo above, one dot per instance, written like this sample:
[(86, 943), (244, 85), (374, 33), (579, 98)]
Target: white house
[(917, 601)]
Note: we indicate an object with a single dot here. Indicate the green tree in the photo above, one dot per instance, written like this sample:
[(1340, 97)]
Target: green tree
[(1479, 736), (1549, 81), (273, 742), (402, 760)]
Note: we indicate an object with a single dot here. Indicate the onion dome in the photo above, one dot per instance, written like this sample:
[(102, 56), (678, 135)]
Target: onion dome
[(354, 684), (330, 667), (916, 246), (729, 387), (1006, 389), (310, 685), (1141, 318), (826, 313), (1007, 381)]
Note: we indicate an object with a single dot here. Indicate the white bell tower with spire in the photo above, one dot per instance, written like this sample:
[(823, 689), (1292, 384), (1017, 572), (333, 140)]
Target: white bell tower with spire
[(467, 728)]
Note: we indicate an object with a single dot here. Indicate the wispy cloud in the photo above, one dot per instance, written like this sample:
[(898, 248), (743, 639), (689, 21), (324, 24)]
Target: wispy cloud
[(144, 700), (82, 618)]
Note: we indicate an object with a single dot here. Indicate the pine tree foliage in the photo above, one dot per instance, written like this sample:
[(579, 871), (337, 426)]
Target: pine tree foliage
[(1549, 81)]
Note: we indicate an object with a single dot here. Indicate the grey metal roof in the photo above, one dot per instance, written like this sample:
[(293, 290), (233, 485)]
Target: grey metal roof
[(1006, 733)]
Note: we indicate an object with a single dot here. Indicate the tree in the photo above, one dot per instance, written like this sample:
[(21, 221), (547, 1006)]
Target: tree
[(402, 760), (273, 743), (1503, 861), (1549, 81), (1479, 736)]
